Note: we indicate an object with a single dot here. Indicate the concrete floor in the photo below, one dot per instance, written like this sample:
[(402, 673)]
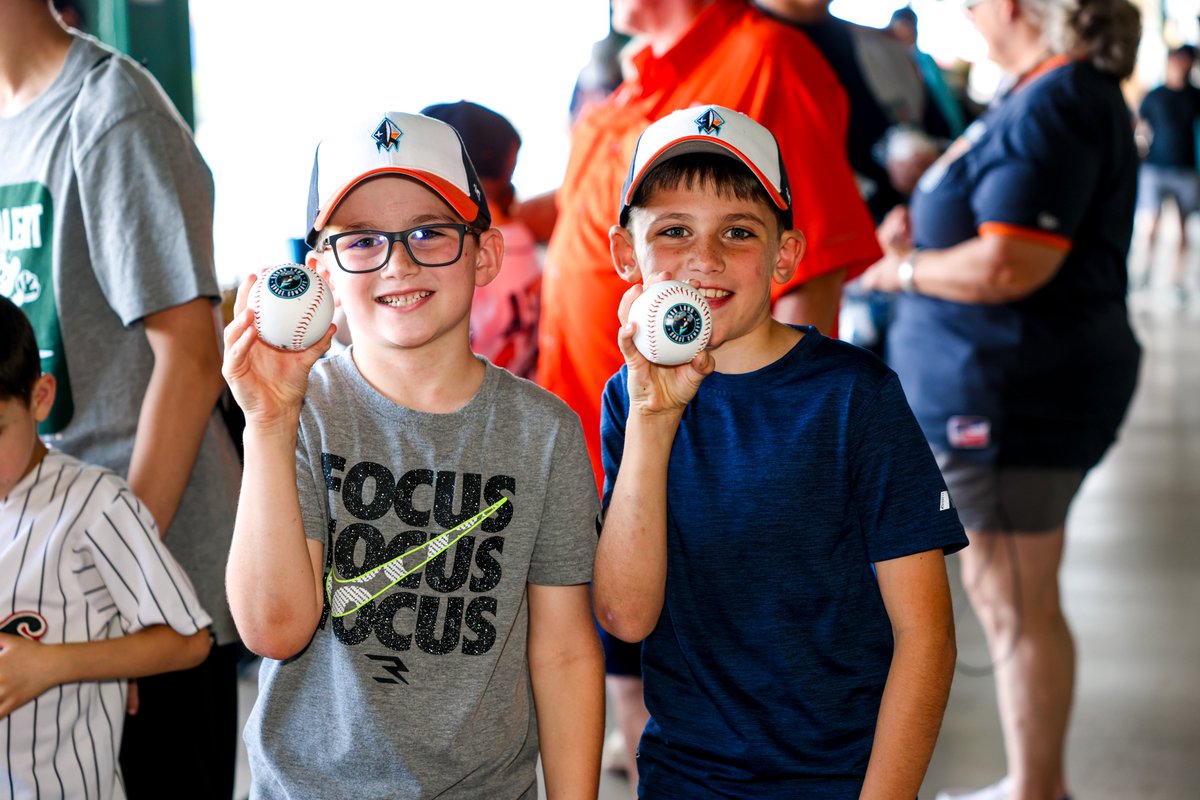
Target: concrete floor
[(1131, 580)]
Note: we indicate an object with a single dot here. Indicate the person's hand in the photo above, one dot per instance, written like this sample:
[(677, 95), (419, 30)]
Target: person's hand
[(895, 231), (268, 384), (884, 274), (656, 389), (133, 702), (24, 672)]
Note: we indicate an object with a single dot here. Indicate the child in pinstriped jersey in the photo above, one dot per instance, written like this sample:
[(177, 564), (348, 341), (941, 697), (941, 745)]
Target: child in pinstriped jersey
[(89, 597)]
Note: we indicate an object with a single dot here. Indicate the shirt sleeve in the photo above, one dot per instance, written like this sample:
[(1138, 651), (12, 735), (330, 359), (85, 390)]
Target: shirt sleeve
[(1043, 165), (796, 95), (566, 543), (147, 202), (902, 503), (145, 583)]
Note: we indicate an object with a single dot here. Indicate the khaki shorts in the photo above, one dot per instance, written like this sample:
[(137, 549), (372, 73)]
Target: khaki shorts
[(996, 499)]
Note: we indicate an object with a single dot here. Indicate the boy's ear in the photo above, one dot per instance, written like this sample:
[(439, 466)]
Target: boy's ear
[(44, 389), (620, 245), (792, 245), (489, 256), (316, 262)]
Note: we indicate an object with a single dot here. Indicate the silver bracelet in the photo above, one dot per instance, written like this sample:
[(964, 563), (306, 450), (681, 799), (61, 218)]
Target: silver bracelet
[(906, 272)]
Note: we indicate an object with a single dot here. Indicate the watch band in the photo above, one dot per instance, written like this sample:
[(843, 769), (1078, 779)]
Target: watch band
[(906, 273)]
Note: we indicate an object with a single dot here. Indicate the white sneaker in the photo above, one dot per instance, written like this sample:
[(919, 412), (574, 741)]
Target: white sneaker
[(997, 791), (613, 757)]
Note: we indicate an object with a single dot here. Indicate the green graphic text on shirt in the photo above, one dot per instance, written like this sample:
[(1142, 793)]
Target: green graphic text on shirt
[(27, 278)]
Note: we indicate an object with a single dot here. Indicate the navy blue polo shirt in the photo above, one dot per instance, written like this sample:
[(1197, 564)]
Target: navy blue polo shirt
[(1045, 380)]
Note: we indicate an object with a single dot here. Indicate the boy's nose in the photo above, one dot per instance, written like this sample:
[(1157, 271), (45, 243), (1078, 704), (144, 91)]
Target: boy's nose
[(399, 264), (706, 256)]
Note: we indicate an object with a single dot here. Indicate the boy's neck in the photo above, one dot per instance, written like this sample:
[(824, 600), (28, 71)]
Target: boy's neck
[(760, 348), (35, 458), (33, 49), (422, 380)]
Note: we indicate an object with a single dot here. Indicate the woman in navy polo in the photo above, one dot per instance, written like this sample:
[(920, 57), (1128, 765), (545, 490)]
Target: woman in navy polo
[(1012, 337)]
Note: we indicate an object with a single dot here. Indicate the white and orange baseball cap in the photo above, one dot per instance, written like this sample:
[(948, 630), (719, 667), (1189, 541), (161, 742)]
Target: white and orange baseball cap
[(711, 129), (393, 143)]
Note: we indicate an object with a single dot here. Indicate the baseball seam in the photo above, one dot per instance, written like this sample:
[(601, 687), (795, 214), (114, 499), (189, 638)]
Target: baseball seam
[(655, 306), (309, 313)]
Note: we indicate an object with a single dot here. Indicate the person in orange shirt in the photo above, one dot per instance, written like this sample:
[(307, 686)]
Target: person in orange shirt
[(723, 52)]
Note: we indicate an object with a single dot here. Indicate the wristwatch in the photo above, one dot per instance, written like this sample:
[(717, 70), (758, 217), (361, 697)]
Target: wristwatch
[(905, 273)]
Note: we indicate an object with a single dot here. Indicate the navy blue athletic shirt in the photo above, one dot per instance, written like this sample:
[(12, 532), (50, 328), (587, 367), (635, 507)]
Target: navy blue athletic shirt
[(764, 674), (1046, 380)]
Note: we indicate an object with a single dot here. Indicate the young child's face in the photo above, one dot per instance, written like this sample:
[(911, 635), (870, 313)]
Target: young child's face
[(404, 304), (20, 447), (733, 247)]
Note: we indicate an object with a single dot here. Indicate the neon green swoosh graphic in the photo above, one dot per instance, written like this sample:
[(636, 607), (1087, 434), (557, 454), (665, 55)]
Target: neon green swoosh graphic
[(352, 594)]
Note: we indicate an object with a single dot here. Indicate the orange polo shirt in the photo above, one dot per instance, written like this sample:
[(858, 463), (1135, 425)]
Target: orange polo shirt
[(733, 56)]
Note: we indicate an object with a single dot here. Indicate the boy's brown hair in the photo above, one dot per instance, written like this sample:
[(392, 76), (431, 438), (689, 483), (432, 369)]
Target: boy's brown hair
[(20, 362)]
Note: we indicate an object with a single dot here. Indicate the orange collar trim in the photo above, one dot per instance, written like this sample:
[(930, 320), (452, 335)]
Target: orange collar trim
[(1048, 65)]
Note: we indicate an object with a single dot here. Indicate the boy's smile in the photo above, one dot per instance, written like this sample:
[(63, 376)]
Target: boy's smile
[(403, 304), (729, 247)]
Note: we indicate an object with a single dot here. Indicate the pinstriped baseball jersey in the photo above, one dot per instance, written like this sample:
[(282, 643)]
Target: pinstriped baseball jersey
[(80, 560)]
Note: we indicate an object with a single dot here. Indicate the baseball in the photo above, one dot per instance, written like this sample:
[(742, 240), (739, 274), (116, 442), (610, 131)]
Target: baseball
[(293, 306), (673, 320)]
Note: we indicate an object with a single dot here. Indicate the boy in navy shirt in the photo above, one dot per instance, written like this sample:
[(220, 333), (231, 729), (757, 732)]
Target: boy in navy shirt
[(775, 522)]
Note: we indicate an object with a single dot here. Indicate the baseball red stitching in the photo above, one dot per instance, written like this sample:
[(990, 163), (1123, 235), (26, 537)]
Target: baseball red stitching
[(656, 303), (302, 325)]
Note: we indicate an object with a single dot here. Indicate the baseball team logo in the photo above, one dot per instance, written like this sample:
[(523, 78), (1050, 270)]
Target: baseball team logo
[(29, 624), (387, 136), (288, 282), (709, 122), (682, 323)]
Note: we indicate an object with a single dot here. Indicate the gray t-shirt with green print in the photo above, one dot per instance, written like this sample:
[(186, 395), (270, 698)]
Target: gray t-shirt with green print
[(105, 218)]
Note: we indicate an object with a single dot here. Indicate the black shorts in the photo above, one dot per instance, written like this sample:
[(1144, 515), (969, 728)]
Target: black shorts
[(993, 499)]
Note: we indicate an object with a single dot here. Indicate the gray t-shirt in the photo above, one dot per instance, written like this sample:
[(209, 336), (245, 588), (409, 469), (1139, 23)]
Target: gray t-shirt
[(106, 217), (416, 683)]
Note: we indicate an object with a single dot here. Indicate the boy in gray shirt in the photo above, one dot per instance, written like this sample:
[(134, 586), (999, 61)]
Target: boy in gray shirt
[(416, 528)]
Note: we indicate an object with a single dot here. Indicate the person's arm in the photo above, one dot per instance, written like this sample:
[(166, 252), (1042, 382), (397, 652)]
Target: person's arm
[(184, 387), (630, 574), (814, 302), (566, 668), (540, 213), (28, 669), (273, 577), (916, 594), (987, 270)]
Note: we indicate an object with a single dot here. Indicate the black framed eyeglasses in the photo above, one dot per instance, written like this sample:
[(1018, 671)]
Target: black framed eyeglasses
[(437, 245)]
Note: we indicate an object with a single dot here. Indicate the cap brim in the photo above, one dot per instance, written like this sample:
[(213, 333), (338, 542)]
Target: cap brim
[(463, 205), (702, 144)]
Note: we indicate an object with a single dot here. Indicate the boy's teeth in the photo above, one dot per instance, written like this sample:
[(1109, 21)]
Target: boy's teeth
[(403, 299), (714, 294)]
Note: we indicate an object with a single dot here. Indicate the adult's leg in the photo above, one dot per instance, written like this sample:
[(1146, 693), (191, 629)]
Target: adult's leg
[(1187, 197), (1012, 582), (1151, 192), (1145, 239), (630, 711)]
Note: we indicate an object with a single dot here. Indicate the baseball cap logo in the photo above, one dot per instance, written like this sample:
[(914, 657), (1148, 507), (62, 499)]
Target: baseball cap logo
[(709, 122), (387, 135)]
